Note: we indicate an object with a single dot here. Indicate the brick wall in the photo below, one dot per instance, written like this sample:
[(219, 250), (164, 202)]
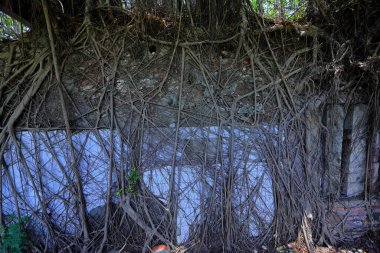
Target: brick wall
[(354, 218)]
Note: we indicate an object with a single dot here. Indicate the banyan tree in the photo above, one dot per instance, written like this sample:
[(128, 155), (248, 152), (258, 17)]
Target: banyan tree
[(207, 126)]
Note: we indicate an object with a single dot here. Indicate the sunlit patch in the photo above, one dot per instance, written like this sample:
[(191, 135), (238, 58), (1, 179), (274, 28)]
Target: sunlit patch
[(11, 29)]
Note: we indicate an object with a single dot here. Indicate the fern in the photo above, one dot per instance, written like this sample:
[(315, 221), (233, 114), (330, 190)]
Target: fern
[(13, 237)]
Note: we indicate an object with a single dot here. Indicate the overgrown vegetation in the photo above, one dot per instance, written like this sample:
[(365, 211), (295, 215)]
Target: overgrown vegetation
[(283, 9), (13, 236), (133, 180), (10, 28), (226, 88)]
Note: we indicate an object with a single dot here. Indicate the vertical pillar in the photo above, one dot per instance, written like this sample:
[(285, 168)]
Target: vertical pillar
[(334, 118), (356, 121), (313, 143), (375, 162)]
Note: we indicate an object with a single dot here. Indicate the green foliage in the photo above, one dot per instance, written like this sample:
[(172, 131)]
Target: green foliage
[(10, 28), (133, 179), (286, 9), (255, 5), (13, 236), (119, 192)]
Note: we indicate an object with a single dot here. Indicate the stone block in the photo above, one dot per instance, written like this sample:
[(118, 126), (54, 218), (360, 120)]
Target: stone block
[(356, 120), (334, 120)]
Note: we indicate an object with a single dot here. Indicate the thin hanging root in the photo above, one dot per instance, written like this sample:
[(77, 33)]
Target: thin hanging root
[(136, 218), (274, 74), (80, 198), (25, 101)]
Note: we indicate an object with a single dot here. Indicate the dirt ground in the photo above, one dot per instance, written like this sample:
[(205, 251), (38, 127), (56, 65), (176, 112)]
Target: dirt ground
[(369, 243)]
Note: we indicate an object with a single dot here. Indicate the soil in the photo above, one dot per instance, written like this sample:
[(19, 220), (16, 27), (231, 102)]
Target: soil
[(369, 243)]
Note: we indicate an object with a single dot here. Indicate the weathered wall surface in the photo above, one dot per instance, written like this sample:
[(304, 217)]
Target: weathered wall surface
[(315, 134), (354, 218)]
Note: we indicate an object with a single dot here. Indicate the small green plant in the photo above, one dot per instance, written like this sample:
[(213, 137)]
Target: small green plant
[(133, 179), (13, 236), (119, 192)]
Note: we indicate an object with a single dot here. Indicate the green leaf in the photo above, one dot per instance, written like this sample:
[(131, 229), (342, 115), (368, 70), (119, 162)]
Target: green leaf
[(14, 238), (119, 192), (133, 179), (289, 9)]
